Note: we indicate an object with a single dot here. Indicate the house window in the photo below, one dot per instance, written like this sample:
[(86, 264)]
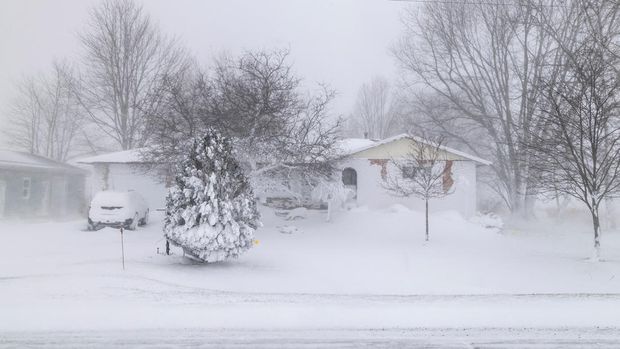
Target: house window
[(349, 177), (410, 172), (27, 184)]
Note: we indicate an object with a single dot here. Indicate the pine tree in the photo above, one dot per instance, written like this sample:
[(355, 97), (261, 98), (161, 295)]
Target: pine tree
[(211, 211)]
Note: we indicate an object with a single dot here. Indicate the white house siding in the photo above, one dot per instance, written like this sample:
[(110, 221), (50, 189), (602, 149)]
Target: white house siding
[(122, 177), (371, 193)]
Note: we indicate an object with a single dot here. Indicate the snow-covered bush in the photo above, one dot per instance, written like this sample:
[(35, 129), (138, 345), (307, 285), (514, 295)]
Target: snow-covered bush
[(399, 208), (488, 220), (297, 213), (211, 211), (288, 229), (332, 192)]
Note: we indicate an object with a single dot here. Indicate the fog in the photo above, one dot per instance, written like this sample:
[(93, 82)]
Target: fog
[(340, 42), (309, 173)]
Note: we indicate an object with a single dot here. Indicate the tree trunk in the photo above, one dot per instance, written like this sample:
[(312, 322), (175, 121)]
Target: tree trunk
[(426, 202), (557, 204), (529, 202), (520, 205), (329, 210), (597, 234)]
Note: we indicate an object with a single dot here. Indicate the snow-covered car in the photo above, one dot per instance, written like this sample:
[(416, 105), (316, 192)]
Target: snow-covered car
[(117, 209)]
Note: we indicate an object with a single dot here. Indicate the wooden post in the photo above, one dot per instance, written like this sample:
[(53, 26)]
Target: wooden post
[(426, 219), (123, 247)]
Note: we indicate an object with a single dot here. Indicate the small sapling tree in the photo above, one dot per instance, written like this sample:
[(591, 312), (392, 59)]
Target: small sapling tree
[(424, 172)]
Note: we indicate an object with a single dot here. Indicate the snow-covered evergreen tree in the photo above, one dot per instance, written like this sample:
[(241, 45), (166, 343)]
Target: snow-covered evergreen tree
[(211, 211)]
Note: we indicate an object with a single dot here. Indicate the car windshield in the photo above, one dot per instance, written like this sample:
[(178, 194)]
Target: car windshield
[(110, 200)]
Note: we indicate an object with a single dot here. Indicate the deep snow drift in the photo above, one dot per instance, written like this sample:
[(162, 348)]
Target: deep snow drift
[(364, 269)]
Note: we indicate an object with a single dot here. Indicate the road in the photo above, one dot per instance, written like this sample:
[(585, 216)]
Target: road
[(156, 314), (565, 338)]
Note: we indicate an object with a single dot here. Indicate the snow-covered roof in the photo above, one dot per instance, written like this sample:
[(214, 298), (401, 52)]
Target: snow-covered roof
[(345, 147), (346, 151), (15, 159), (353, 145), (131, 156)]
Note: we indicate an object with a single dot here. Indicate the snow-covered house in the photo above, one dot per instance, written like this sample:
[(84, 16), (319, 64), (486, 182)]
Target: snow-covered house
[(127, 170), (363, 164), (366, 163), (35, 186)]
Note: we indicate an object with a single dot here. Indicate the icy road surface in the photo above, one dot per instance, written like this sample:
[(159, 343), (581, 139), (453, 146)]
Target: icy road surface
[(524, 338)]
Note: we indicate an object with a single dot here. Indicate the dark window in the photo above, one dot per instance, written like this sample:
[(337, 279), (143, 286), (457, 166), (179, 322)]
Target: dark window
[(349, 176), (26, 188), (410, 172)]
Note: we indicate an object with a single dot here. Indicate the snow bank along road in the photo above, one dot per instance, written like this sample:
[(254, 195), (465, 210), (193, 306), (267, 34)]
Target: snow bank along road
[(366, 270)]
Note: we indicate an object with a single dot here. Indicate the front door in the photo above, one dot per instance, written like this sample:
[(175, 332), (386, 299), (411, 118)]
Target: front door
[(2, 197), (349, 179)]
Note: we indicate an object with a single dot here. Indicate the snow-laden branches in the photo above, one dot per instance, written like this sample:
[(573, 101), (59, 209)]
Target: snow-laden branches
[(211, 211)]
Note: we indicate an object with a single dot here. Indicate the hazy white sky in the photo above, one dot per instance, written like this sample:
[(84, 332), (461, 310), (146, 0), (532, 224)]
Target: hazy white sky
[(340, 42)]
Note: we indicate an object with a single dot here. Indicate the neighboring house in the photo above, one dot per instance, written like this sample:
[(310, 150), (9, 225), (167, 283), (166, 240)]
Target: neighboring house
[(366, 163), (127, 170), (35, 186)]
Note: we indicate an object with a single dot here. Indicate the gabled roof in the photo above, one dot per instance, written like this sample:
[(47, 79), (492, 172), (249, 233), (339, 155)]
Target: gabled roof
[(10, 159), (353, 146), (132, 156), (345, 147)]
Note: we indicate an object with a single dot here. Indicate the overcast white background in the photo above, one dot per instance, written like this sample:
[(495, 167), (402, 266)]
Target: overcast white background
[(340, 42)]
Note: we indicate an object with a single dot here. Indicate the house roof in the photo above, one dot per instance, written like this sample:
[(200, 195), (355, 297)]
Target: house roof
[(10, 159), (132, 156), (345, 147), (353, 146)]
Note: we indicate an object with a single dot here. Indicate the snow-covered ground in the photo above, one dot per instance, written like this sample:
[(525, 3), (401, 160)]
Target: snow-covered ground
[(366, 269)]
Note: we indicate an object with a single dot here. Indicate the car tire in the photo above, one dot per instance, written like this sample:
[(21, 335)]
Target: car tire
[(145, 219), (134, 223)]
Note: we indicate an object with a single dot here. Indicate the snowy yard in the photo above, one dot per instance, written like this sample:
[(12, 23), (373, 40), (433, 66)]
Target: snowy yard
[(366, 269)]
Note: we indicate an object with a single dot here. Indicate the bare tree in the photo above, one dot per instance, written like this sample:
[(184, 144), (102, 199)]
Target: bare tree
[(25, 116), (474, 71), (424, 172), (376, 111), (183, 113), (579, 153), (126, 58), (45, 117), (281, 134)]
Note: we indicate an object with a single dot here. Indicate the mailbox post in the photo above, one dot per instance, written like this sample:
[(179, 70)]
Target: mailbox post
[(123, 247)]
